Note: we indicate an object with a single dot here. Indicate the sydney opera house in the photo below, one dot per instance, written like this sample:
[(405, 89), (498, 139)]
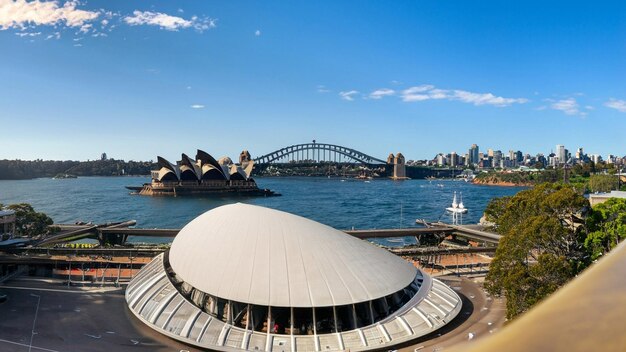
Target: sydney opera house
[(204, 175), (247, 278)]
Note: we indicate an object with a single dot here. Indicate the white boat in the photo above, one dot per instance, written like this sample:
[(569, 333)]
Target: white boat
[(457, 207)]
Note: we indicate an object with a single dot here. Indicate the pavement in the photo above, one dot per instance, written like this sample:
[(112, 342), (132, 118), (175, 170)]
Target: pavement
[(481, 316), (44, 315), (58, 319)]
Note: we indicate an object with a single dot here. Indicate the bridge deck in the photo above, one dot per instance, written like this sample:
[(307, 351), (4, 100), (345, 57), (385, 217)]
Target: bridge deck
[(462, 231)]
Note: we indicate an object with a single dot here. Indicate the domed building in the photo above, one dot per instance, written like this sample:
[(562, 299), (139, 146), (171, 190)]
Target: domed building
[(244, 277)]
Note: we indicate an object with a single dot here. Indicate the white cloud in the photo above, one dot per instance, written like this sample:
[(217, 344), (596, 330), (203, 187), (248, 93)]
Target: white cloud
[(438, 93), (322, 89), (197, 106), (28, 34), (85, 28), (429, 92), (55, 35), (21, 14), (168, 22), (569, 106), (348, 95), (26, 15), (257, 33), (380, 93), (162, 20), (417, 93), (486, 99), (617, 104), (418, 89)]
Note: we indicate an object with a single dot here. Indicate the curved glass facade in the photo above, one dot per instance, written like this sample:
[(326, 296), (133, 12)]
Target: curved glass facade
[(294, 320)]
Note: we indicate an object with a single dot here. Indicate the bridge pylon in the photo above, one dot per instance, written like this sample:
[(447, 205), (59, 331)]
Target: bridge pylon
[(399, 166)]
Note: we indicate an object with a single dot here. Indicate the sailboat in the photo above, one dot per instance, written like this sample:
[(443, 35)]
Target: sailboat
[(457, 207)]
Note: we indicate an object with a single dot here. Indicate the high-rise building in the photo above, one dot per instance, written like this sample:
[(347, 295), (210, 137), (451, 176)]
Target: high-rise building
[(519, 157), (580, 154), (542, 159), (497, 159), (454, 159), (473, 154), (527, 159), (561, 154), (512, 157), (490, 153), (441, 160)]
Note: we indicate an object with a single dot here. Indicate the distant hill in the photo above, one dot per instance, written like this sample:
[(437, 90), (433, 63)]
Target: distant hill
[(28, 169)]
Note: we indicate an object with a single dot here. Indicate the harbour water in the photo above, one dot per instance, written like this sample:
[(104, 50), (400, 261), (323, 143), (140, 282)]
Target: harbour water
[(343, 204)]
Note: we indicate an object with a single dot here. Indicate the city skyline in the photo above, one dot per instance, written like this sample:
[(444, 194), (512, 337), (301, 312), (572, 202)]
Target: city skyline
[(496, 158), (416, 78)]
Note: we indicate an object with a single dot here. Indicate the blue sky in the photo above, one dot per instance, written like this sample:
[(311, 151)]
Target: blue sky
[(141, 79)]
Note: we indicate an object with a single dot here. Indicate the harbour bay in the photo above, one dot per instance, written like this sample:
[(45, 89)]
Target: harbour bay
[(340, 203)]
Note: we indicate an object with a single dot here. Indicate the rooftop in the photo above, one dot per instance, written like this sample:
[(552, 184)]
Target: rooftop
[(262, 256), (6, 212)]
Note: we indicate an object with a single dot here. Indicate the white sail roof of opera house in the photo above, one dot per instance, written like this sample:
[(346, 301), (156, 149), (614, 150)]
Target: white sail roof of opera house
[(263, 256)]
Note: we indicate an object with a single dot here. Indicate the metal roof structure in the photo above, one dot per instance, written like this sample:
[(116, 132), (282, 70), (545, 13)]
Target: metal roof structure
[(258, 255), (247, 278)]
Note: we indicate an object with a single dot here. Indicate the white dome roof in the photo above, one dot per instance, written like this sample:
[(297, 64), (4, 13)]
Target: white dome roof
[(257, 255)]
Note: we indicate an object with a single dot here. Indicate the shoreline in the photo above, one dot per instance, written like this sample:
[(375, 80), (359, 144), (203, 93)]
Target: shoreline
[(501, 184)]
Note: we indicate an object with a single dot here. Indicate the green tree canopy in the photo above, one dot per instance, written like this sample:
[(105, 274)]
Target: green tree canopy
[(602, 183), (607, 225), (28, 222), (542, 245)]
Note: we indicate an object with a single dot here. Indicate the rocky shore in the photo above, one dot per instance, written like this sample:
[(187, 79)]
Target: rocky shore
[(497, 182)]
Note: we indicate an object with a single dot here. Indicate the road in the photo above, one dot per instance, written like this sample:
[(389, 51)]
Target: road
[(73, 320), (481, 316), (97, 319)]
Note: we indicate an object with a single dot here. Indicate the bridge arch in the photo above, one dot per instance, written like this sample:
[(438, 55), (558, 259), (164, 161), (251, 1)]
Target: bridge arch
[(317, 152)]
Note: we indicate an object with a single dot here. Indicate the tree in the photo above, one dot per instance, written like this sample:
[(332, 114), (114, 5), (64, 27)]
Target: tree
[(542, 245), (607, 223), (602, 183), (496, 208), (28, 222)]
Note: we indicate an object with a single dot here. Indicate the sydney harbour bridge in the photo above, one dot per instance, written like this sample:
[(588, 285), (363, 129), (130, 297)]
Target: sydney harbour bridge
[(311, 154), (317, 152)]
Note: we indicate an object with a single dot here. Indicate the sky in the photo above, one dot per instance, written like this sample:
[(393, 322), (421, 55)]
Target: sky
[(137, 79)]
